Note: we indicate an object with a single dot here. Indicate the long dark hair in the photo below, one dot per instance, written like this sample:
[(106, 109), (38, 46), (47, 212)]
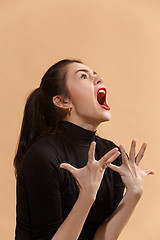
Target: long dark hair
[(41, 116)]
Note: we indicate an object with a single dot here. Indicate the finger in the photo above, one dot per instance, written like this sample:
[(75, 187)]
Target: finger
[(110, 160), (132, 151), (68, 167), (149, 172), (113, 167), (106, 157), (141, 153), (124, 155), (91, 153), (72, 170), (113, 157)]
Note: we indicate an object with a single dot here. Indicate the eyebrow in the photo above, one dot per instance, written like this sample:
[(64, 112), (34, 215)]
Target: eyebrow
[(85, 70)]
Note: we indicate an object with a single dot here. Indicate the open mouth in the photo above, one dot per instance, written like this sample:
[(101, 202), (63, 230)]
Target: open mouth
[(101, 98)]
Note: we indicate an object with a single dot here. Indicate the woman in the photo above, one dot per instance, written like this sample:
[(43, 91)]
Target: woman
[(67, 186)]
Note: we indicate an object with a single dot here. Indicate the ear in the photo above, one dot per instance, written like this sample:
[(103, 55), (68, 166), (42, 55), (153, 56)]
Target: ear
[(60, 102)]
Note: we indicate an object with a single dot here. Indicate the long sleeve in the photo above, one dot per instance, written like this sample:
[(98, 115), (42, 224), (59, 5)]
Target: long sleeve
[(118, 185), (42, 179)]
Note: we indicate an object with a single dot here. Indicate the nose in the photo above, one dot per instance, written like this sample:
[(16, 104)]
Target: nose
[(98, 80)]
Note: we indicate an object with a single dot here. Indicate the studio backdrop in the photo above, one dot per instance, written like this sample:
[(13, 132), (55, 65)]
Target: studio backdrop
[(120, 40)]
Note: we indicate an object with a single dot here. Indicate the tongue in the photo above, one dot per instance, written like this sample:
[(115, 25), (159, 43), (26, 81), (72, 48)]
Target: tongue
[(100, 96), (102, 101)]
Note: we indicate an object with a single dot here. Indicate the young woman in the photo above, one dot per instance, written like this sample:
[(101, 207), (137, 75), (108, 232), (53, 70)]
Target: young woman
[(70, 182)]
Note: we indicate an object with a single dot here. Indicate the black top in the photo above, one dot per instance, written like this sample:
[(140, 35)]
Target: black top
[(46, 193)]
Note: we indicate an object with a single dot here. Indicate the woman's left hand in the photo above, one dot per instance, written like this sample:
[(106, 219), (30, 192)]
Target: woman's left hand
[(132, 175)]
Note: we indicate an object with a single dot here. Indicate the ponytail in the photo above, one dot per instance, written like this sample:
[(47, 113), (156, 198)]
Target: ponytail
[(33, 124), (41, 116)]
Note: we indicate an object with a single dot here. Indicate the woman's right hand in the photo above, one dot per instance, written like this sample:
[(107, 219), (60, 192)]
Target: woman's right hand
[(89, 177)]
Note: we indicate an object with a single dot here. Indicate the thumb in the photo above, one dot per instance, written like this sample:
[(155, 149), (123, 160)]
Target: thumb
[(68, 167), (147, 172), (71, 169)]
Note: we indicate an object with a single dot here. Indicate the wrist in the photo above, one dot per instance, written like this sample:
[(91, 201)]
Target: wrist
[(87, 197), (136, 193)]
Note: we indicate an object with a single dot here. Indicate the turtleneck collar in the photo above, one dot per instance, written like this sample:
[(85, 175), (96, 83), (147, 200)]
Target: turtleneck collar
[(76, 133)]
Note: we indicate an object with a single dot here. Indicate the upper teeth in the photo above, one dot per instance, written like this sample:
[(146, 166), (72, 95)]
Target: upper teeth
[(101, 91)]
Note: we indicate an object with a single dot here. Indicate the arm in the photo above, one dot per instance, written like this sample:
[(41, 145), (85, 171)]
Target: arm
[(70, 229), (42, 186), (133, 178), (43, 183), (112, 227), (88, 179)]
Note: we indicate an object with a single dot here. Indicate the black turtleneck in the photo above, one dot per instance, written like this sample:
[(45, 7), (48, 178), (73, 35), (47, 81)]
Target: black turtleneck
[(46, 193)]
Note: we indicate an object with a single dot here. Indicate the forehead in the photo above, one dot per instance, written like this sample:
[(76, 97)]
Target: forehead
[(74, 67)]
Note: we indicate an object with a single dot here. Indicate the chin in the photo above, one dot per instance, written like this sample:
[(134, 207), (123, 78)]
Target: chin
[(106, 116)]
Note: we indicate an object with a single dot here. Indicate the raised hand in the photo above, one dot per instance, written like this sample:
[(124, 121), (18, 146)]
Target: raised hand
[(89, 177), (132, 175)]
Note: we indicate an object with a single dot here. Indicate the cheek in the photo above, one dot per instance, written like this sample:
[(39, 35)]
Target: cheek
[(80, 96)]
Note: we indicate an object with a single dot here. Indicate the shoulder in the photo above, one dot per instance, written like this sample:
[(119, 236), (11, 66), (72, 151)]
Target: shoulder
[(105, 143), (41, 161), (44, 151), (105, 146)]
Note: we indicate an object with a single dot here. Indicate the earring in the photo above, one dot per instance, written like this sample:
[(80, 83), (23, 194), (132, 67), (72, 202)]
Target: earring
[(69, 110)]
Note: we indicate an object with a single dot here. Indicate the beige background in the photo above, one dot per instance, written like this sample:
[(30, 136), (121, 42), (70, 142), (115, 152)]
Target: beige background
[(121, 41)]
